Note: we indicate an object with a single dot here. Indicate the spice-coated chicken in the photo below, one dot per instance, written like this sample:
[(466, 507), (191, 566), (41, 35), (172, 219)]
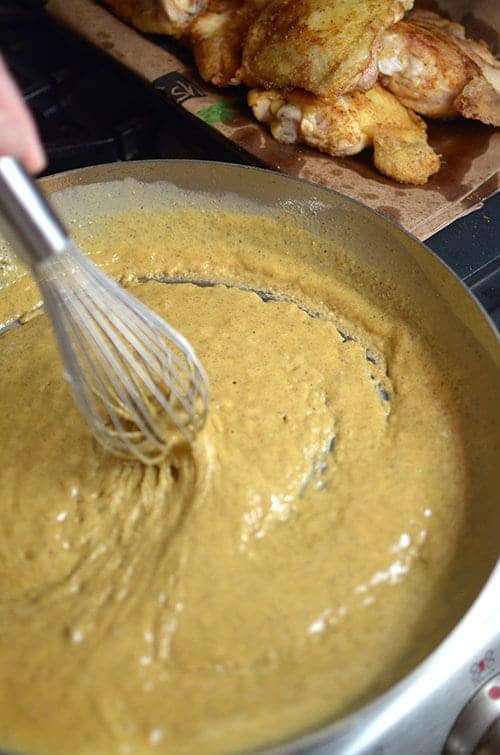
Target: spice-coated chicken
[(317, 66), (158, 16), (327, 47), (431, 66), (348, 124), (217, 36)]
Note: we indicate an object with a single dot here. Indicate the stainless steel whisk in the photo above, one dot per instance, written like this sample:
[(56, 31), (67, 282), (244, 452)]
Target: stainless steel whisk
[(134, 378)]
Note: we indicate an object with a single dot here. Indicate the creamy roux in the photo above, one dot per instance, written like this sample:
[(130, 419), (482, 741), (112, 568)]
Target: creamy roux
[(290, 566)]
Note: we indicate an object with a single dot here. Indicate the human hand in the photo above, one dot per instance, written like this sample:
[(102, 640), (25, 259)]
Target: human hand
[(18, 133)]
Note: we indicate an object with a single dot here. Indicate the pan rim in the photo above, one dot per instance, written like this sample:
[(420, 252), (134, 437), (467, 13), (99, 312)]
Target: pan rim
[(491, 586)]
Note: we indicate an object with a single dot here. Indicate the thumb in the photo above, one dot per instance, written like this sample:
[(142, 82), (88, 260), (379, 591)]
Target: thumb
[(18, 132)]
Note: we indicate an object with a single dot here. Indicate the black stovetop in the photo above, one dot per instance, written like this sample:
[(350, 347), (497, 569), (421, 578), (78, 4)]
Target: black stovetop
[(90, 110)]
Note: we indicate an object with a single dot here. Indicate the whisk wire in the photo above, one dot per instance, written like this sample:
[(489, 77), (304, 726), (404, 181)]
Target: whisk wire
[(134, 362), (118, 404), (136, 380), (144, 355), (170, 358), (133, 376), (83, 365), (142, 323), (123, 406)]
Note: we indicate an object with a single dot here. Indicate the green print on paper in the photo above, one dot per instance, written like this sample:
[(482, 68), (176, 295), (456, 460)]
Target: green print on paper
[(221, 111)]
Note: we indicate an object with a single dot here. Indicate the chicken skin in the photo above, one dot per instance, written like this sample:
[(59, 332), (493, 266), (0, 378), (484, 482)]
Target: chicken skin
[(350, 123), (158, 16), (431, 66), (425, 60), (326, 47), (337, 75), (216, 37)]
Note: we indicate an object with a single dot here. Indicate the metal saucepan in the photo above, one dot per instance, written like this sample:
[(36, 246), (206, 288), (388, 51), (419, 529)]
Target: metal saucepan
[(418, 713)]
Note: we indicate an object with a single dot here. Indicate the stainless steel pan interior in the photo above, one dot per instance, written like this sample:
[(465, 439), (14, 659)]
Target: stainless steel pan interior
[(394, 255)]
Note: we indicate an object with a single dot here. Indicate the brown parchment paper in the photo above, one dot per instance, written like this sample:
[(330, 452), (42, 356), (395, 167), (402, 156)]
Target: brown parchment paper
[(470, 151)]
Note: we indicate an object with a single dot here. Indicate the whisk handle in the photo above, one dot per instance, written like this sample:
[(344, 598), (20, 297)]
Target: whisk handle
[(26, 218)]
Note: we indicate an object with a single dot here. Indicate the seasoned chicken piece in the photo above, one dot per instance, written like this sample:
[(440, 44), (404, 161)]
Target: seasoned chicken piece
[(158, 16), (430, 65), (216, 40), (217, 35), (350, 123), (327, 47)]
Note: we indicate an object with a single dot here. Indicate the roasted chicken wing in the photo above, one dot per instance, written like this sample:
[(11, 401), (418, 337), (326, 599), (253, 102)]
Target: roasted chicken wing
[(158, 16), (350, 123), (431, 66), (327, 47)]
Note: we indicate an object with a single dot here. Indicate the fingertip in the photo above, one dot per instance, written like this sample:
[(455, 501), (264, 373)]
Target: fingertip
[(35, 160)]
